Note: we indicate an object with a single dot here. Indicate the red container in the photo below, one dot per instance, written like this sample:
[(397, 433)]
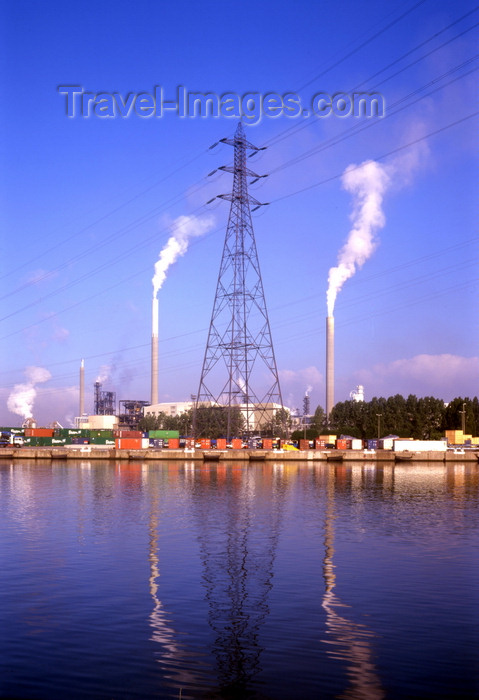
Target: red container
[(127, 434), (236, 443), (341, 444), (319, 444), (205, 443), (267, 443), (39, 432), (304, 444), (189, 443), (221, 443), (173, 443), (128, 443)]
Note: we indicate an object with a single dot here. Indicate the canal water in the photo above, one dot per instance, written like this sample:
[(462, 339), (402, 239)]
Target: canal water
[(269, 581)]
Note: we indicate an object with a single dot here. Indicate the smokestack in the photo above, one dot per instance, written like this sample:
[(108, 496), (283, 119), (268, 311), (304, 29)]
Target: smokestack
[(154, 352), (329, 365), (82, 388)]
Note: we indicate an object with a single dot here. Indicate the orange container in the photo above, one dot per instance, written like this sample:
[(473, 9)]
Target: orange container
[(205, 443), (221, 443), (39, 432), (319, 444), (236, 443), (267, 443), (128, 443), (173, 443), (304, 444), (341, 444)]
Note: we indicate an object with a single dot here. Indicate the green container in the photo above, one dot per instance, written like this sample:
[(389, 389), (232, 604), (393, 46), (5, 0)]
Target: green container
[(163, 434), (103, 433), (94, 440), (59, 441), (13, 431), (44, 441), (72, 432)]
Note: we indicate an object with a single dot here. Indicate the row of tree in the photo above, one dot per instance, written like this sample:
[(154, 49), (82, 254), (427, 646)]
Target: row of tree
[(421, 418)]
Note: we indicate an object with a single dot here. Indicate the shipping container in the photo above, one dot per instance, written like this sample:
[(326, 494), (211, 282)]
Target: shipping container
[(13, 431), (163, 434), (128, 443), (102, 433), (95, 440), (190, 443), (173, 443), (237, 443), (59, 441), (205, 443), (319, 444), (267, 443), (127, 434), (356, 444), (372, 444), (221, 443), (304, 444), (80, 441), (71, 432), (420, 445), (39, 432), (341, 444)]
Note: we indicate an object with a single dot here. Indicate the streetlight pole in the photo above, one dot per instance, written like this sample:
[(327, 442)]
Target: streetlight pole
[(379, 425), (463, 418)]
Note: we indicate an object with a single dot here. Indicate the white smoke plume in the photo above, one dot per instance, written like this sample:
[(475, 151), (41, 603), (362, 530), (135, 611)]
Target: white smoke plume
[(104, 374), (184, 228), (367, 183), (309, 389), (23, 396)]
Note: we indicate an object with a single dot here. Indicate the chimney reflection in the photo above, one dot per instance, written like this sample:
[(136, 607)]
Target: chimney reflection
[(174, 656), (347, 640)]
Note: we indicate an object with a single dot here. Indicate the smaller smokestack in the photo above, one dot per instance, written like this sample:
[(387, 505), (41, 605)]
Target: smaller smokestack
[(154, 352), (329, 365), (82, 388)]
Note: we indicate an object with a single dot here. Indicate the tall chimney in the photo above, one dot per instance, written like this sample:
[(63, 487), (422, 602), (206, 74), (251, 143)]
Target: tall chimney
[(154, 352), (82, 388), (329, 365)]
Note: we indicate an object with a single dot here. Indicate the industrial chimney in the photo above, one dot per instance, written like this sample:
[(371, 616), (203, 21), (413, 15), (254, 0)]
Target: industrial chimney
[(154, 352), (329, 365), (82, 388)]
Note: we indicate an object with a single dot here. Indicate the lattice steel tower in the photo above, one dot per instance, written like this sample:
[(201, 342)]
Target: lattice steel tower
[(239, 367)]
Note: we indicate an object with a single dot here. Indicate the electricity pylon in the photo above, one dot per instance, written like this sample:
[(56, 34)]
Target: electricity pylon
[(239, 367)]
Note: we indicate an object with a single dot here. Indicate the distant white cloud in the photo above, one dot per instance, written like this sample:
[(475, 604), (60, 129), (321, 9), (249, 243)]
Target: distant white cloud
[(443, 376), (294, 383)]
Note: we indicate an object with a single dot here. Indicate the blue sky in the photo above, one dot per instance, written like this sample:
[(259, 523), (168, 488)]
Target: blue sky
[(87, 203)]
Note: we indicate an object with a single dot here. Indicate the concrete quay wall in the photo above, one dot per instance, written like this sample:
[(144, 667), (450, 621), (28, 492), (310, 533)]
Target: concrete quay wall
[(104, 453)]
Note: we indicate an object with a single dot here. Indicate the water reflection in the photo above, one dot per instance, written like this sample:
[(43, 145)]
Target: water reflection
[(347, 640), (163, 574), (238, 527)]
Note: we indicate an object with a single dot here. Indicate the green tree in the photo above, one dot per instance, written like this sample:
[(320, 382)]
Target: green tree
[(212, 421), (279, 425), (319, 421)]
